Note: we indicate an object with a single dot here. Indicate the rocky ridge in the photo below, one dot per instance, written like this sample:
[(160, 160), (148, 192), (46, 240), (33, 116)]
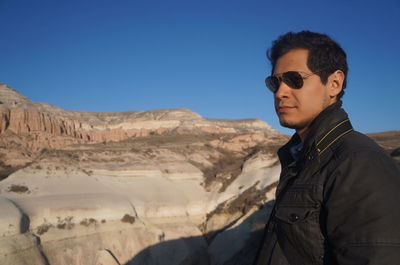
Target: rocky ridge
[(140, 187), (32, 126)]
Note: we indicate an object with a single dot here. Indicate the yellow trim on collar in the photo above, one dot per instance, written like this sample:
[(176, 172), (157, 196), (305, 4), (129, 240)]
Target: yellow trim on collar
[(335, 140), (332, 131)]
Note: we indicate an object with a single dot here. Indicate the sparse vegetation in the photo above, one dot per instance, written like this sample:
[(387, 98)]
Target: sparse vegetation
[(90, 221), (128, 219), (88, 172), (43, 229), (18, 188), (65, 223)]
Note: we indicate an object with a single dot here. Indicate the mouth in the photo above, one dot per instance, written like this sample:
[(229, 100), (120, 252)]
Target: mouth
[(283, 108)]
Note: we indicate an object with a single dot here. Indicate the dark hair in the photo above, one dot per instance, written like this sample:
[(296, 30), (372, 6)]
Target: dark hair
[(325, 55)]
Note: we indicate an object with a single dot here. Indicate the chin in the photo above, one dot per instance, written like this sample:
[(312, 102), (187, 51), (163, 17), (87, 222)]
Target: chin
[(287, 124), (296, 125)]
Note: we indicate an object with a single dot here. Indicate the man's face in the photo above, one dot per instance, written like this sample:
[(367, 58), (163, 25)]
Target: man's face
[(297, 108)]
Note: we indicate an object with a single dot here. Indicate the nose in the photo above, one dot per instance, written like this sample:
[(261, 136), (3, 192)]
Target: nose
[(283, 91)]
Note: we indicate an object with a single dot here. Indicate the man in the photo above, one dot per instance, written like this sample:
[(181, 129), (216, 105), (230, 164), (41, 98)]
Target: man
[(338, 198)]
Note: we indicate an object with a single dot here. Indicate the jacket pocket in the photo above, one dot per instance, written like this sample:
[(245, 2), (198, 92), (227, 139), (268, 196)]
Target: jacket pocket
[(292, 215), (298, 233)]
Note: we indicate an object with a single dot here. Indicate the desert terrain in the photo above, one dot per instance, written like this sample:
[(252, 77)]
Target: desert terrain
[(141, 187)]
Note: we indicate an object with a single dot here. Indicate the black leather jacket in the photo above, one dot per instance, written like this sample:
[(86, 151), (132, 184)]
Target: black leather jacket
[(339, 203)]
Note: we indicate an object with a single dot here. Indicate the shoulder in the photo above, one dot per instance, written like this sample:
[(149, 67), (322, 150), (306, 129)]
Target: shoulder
[(356, 157), (360, 168), (356, 144)]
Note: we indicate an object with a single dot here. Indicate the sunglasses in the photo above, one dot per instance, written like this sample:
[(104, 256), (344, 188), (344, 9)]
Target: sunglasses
[(292, 78)]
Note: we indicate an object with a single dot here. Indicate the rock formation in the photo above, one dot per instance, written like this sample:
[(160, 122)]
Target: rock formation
[(140, 187)]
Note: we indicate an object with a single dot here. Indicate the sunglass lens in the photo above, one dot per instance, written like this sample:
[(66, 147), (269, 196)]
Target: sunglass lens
[(293, 79), (272, 82)]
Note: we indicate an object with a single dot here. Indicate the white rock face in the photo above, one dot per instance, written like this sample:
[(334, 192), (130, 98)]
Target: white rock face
[(84, 219), (124, 218)]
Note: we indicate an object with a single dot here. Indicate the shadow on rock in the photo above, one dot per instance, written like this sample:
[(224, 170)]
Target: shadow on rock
[(235, 245)]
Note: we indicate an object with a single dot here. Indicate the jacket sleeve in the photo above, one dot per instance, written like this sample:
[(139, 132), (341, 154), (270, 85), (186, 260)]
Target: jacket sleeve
[(362, 210)]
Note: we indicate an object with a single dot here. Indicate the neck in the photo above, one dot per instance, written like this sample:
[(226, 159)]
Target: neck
[(302, 133)]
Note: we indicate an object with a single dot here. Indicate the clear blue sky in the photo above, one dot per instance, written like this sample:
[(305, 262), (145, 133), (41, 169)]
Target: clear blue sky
[(208, 56)]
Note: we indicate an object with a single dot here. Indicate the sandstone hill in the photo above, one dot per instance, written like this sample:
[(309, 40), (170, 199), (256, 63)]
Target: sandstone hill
[(28, 127), (141, 187)]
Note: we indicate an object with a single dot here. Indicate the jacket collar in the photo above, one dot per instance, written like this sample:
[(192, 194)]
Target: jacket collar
[(328, 120)]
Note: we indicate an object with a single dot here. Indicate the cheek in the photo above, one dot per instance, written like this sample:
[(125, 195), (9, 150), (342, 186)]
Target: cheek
[(312, 103)]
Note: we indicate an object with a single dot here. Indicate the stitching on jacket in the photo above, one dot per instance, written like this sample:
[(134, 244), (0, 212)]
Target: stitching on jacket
[(332, 130), (335, 140)]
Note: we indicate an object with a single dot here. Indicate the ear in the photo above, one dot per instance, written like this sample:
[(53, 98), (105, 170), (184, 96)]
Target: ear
[(335, 83)]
